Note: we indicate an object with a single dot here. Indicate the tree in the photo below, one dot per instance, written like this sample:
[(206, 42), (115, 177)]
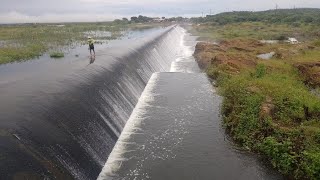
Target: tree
[(117, 21), (134, 19)]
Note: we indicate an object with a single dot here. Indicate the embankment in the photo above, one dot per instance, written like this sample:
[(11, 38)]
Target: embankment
[(267, 106)]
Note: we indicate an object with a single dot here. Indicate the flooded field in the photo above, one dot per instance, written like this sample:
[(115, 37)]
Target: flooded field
[(25, 42)]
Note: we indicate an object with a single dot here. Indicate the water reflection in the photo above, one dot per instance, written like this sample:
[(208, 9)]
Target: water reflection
[(92, 59)]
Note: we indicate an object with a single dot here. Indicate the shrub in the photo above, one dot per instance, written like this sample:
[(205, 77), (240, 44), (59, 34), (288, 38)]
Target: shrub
[(311, 164), (279, 154)]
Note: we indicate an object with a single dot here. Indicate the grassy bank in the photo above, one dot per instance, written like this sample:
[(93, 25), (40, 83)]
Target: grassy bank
[(270, 106), (257, 30)]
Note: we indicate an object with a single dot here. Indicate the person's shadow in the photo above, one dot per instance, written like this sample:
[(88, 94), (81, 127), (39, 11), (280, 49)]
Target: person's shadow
[(92, 59)]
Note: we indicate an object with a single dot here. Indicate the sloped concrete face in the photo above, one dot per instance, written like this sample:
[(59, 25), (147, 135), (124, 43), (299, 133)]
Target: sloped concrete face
[(175, 133)]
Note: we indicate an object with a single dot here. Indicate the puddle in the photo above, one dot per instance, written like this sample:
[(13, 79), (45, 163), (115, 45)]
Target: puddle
[(269, 41), (266, 56)]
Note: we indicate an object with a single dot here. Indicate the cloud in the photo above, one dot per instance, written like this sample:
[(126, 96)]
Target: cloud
[(16, 17), (13, 11)]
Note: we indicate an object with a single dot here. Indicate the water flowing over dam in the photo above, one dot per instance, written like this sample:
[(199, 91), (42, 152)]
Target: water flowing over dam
[(61, 120), (175, 131)]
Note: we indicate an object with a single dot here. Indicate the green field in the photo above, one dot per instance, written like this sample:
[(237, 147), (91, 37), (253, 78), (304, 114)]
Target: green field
[(271, 107)]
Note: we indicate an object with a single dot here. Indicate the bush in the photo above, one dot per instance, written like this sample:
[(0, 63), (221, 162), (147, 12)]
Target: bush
[(279, 154), (311, 164)]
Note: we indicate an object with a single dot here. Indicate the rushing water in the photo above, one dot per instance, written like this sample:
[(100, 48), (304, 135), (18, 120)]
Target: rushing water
[(60, 119)]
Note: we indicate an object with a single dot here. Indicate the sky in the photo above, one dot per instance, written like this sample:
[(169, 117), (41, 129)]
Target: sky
[(29, 11)]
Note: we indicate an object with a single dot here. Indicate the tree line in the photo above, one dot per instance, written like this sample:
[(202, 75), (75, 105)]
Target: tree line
[(290, 16), (145, 19)]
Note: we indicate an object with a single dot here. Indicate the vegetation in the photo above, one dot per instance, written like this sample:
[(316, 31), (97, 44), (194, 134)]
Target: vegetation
[(258, 30), (27, 41), (270, 106), (23, 42), (56, 54), (295, 17), (140, 19)]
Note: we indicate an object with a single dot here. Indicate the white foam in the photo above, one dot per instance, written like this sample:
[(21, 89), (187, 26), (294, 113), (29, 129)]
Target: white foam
[(184, 53), (116, 157)]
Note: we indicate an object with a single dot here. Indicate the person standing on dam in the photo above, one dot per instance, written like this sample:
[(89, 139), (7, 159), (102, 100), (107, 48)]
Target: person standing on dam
[(91, 46)]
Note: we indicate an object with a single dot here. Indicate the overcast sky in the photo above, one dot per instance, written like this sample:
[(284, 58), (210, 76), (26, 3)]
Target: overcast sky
[(22, 11)]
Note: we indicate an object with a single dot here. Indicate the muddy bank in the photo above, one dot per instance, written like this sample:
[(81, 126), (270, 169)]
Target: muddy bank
[(238, 54), (310, 71), (225, 53)]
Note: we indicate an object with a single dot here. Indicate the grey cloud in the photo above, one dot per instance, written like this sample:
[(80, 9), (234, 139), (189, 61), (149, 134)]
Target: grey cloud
[(70, 9)]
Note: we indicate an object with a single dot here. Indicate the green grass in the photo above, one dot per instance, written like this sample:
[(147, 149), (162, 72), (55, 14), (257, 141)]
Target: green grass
[(57, 55), (256, 30), (289, 134), (29, 51), (284, 135)]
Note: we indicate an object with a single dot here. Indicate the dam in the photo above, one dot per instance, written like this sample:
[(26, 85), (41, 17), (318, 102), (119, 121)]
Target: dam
[(142, 110)]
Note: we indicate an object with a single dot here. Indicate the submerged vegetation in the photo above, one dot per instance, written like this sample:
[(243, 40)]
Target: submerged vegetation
[(270, 106), (19, 42), (56, 54), (27, 41)]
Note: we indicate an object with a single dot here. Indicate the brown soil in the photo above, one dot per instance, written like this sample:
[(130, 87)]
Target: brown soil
[(267, 108), (234, 54), (205, 52), (310, 72)]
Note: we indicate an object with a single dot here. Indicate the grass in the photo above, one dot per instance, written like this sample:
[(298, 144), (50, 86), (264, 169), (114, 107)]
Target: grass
[(285, 135), (24, 42), (267, 107), (57, 55), (256, 30), (29, 51)]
